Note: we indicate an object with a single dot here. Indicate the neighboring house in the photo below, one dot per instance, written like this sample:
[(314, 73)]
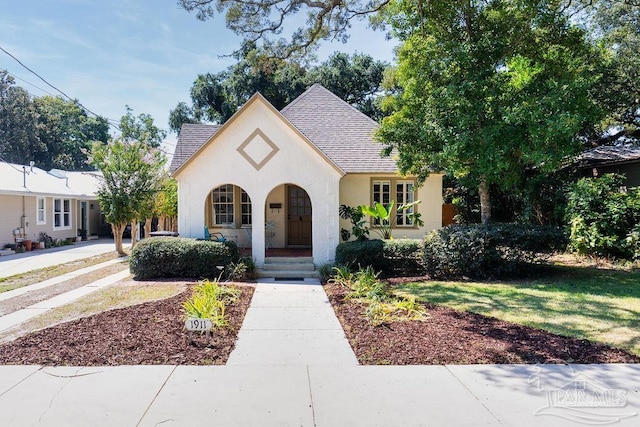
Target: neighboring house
[(289, 171), (57, 202), (622, 159)]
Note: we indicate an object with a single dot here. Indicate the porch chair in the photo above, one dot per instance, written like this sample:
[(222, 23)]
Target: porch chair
[(214, 237)]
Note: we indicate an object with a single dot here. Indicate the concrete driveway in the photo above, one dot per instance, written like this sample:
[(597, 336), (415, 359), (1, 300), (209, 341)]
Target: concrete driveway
[(42, 258)]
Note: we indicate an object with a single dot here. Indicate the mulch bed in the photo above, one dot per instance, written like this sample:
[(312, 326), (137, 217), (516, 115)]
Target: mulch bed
[(147, 334), (453, 337)]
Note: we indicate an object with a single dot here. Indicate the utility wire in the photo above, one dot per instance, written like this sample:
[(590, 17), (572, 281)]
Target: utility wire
[(49, 84), (30, 84)]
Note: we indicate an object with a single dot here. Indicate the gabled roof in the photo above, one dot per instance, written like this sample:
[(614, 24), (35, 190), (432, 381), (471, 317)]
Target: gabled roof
[(26, 180), (340, 132), (609, 155), (192, 137)]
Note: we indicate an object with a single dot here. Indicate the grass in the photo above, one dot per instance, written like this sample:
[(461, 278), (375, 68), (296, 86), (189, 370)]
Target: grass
[(587, 303), (20, 280)]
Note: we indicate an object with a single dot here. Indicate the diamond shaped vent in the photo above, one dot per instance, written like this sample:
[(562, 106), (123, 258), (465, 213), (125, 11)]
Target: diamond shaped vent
[(258, 149)]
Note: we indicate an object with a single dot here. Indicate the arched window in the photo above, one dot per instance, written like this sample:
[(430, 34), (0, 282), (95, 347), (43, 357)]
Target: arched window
[(226, 201)]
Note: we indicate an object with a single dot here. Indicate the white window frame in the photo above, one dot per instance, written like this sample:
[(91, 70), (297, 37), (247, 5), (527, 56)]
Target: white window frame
[(62, 214), (404, 196), (228, 204), (245, 208), (381, 196), (41, 210)]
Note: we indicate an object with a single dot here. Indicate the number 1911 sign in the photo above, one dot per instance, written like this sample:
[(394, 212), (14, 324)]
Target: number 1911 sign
[(198, 325)]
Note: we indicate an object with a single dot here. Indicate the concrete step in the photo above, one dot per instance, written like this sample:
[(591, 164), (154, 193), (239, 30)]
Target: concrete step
[(289, 266), (288, 260), (286, 274)]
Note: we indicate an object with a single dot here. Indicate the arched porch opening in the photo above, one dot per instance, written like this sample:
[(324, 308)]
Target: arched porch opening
[(288, 222)]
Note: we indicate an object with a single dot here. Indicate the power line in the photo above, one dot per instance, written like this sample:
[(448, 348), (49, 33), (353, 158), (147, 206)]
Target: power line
[(49, 84), (29, 83)]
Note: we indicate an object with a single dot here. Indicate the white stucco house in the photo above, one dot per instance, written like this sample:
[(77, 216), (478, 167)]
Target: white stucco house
[(289, 171), (56, 202)]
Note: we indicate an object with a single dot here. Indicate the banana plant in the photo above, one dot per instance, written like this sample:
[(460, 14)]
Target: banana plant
[(386, 218)]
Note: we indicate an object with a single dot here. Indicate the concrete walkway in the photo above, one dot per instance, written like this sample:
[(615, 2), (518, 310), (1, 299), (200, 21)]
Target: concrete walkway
[(291, 324), (292, 366)]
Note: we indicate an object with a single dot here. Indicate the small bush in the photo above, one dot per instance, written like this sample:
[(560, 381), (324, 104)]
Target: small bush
[(325, 271), (382, 306), (403, 257), (162, 257), (497, 250), (242, 270), (602, 219), (362, 253), (392, 257), (209, 300)]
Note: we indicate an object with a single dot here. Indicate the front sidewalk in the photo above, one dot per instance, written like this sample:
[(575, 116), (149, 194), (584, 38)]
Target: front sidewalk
[(477, 395)]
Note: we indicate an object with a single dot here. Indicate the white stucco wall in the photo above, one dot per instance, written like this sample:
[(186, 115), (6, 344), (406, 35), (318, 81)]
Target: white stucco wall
[(295, 162), (355, 190)]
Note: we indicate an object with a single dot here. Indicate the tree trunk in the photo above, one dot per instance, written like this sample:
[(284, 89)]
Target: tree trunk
[(485, 201), (117, 230), (147, 227), (134, 232)]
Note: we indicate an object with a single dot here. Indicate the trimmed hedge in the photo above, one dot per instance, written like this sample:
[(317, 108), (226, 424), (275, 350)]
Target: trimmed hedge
[(163, 257), (496, 250), (400, 257)]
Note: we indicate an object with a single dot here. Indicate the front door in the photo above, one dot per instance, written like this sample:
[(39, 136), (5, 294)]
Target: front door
[(298, 217)]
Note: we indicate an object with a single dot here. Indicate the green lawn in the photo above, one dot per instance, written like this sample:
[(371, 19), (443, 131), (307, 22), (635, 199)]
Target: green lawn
[(596, 304)]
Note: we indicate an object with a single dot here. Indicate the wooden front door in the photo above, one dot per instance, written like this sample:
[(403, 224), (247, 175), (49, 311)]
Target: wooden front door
[(298, 217)]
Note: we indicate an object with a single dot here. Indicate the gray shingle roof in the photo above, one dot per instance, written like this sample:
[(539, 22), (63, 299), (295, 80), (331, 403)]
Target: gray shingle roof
[(337, 129), (340, 131), (192, 136), (609, 154)]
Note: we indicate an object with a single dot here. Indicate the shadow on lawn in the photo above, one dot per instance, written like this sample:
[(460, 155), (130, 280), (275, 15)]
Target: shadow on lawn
[(588, 303)]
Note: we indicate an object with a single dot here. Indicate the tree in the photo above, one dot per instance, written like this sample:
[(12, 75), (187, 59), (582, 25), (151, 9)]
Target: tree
[(19, 141), (261, 19), (49, 130), (67, 132), (167, 205), (141, 128), (216, 97), (618, 24), (490, 89), (131, 178)]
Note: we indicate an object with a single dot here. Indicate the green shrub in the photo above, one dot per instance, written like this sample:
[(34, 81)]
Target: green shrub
[(209, 300), (325, 271), (361, 253), (402, 257), (602, 219), (497, 250), (242, 270), (160, 257), (381, 305), (393, 257)]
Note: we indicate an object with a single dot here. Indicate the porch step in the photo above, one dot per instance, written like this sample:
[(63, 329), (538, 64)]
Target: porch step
[(288, 268)]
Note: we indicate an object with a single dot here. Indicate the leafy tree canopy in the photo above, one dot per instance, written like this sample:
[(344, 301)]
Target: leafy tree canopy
[(489, 89), (141, 128), (132, 176), (266, 19), (49, 130), (216, 97)]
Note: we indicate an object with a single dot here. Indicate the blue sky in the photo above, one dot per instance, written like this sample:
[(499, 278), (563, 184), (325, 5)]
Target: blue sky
[(143, 53)]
